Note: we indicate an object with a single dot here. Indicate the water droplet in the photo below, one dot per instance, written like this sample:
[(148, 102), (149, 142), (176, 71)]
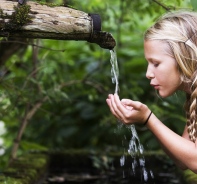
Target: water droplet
[(122, 161)]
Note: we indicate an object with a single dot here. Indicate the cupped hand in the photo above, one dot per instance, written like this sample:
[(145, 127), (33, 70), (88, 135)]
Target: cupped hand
[(126, 110)]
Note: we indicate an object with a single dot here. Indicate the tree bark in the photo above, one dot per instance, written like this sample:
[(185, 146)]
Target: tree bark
[(59, 23)]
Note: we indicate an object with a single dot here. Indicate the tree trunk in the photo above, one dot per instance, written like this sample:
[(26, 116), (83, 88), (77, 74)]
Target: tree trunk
[(34, 20)]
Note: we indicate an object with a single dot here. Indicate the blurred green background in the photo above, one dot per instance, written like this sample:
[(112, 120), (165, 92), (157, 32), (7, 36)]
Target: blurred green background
[(72, 86)]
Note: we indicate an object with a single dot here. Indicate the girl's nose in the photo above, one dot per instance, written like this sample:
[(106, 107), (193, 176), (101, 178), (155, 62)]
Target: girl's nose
[(149, 74)]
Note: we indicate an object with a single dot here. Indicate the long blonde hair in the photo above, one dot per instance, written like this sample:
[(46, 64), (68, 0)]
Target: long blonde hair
[(179, 30)]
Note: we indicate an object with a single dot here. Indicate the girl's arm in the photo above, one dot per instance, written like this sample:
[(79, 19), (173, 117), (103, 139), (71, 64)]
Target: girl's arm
[(177, 162), (180, 149)]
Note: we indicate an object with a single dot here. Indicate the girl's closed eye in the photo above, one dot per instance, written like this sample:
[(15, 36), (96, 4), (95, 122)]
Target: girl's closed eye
[(156, 64)]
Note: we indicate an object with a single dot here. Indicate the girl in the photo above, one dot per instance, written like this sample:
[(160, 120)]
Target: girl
[(170, 48)]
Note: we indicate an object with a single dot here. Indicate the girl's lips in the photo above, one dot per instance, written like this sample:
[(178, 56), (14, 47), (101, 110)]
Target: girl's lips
[(155, 86)]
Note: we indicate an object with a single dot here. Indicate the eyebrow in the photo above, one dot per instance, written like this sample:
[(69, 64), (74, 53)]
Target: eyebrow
[(152, 59)]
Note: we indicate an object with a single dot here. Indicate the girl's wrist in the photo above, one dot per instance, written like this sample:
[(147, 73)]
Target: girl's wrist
[(147, 118)]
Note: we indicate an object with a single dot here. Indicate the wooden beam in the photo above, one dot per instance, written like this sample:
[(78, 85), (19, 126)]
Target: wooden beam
[(45, 22)]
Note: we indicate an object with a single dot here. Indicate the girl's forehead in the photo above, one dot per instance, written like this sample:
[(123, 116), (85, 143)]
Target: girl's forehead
[(155, 48)]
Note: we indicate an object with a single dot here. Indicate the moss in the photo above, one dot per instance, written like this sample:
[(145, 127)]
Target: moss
[(54, 4), (48, 4), (19, 17), (1, 13)]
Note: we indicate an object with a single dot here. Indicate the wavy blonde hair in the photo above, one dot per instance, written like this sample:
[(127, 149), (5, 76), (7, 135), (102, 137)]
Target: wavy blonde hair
[(179, 30)]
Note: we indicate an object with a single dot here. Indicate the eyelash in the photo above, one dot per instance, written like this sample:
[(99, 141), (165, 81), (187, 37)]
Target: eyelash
[(156, 65)]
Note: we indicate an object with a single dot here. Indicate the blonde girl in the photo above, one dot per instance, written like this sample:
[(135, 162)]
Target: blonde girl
[(170, 48)]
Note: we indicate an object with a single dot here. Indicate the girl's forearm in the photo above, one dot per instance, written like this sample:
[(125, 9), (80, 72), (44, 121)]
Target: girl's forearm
[(176, 161), (181, 150)]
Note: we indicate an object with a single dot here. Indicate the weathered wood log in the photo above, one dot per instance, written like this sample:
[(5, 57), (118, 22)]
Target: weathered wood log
[(34, 20)]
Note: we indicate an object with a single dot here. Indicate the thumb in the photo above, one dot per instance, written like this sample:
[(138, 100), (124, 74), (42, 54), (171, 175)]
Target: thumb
[(126, 101), (127, 104), (133, 104)]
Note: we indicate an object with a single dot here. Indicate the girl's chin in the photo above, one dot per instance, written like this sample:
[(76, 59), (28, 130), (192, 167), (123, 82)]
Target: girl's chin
[(164, 95)]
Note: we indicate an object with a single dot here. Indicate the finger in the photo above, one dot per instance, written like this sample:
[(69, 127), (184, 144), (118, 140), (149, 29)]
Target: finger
[(135, 104), (123, 112), (126, 101), (128, 107), (115, 109), (109, 96), (119, 104), (115, 103), (109, 103)]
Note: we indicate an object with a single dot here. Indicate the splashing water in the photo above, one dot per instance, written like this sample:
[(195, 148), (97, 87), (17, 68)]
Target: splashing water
[(114, 70), (135, 147)]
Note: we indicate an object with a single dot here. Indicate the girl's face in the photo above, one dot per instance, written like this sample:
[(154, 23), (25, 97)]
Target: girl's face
[(162, 68)]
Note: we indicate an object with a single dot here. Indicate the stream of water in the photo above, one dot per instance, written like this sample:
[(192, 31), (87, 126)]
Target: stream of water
[(135, 147), (114, 70)]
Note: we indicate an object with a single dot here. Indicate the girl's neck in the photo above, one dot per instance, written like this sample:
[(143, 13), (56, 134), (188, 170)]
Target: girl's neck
[(186, 87)]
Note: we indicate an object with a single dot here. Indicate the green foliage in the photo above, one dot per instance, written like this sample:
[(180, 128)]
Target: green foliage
[(77, 81), (194, 4), (24, 170), (190, 177)]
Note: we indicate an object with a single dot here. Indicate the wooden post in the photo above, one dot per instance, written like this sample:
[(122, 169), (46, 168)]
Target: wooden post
[(45, 22)]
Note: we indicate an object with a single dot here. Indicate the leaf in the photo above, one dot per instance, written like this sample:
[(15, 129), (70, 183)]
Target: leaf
[(194, 4), (32, 146)]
